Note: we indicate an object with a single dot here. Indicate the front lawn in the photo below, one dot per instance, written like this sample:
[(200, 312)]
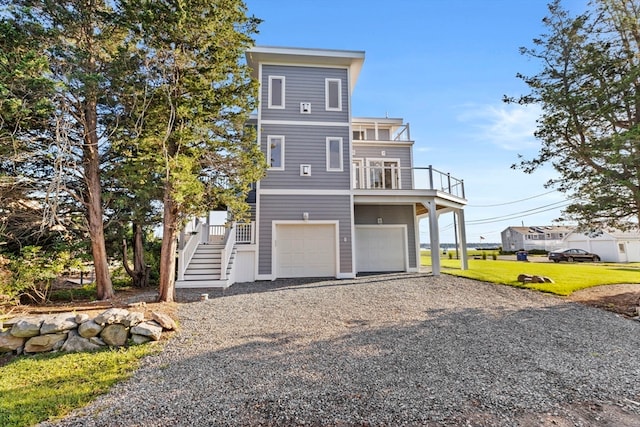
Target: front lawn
[(567, 277), (49, 386)]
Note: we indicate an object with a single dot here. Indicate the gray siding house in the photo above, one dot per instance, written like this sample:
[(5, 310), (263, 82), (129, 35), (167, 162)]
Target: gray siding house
[(341, 195), (546, 238)]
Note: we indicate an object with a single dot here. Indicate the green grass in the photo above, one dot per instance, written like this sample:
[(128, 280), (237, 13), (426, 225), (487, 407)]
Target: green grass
[(567, 277), (87, 291), (49, 386)]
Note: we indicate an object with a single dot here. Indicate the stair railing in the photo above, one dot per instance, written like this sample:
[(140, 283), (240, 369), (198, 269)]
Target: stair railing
[(216, 233), (188, 249), (225, 254), (245, 232)]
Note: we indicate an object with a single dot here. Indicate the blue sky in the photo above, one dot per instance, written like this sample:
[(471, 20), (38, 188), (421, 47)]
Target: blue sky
[(443, 66)]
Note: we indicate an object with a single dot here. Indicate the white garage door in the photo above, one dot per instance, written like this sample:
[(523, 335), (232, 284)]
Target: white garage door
[(306, 250), (380, 248)]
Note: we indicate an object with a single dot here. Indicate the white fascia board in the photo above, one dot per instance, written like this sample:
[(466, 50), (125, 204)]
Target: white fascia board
[(305, 53), (380, 120), (353, 59)]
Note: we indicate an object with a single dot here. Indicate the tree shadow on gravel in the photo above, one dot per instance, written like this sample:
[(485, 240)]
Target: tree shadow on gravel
[(556, 365), (192, 295)]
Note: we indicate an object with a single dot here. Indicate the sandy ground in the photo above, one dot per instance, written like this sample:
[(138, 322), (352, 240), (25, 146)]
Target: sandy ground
[(623, 299)]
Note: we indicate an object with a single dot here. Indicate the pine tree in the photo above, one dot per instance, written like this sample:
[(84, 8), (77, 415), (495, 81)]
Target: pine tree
[(589, 90)]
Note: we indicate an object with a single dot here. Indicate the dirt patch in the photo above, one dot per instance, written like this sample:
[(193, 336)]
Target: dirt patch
[(623, 299), (586, 414)]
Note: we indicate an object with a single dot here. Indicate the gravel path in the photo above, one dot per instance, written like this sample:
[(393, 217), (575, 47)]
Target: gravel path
[(388, 350)]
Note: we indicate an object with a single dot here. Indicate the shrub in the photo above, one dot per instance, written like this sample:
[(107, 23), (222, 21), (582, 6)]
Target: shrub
[(152, 248), (122, 283), (33, 271)]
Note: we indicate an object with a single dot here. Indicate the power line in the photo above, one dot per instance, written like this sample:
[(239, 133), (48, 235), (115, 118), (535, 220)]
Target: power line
[(513, 202), (520, 214), (529, 212)]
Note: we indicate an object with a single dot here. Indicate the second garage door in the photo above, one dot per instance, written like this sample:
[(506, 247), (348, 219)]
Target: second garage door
[(380, 248), (305, 250)]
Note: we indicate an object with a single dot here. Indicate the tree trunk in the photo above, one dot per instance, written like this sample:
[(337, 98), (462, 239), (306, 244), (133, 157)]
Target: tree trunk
[(93, 201), (138, 257), (168, 249), (140, 272)]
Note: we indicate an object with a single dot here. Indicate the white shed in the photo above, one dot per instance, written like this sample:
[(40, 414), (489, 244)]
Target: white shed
[(610, 245)]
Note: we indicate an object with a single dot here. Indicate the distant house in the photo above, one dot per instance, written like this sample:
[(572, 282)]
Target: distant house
[(546, 238), (610, 245)]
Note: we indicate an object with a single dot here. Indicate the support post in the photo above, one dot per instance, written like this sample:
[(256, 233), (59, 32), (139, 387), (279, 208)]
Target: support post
[(434, 238), (430, 177), (462, 234)]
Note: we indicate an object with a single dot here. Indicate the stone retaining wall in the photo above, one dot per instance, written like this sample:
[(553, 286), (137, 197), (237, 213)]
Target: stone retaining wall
[(114, 327)]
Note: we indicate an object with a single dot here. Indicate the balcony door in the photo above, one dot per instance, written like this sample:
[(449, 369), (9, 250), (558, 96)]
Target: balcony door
[(383, 174)]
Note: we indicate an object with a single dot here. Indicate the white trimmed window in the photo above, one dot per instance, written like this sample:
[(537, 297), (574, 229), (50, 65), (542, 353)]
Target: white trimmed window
[(275, 152), (333, 94), (334, 154), (276, 92)]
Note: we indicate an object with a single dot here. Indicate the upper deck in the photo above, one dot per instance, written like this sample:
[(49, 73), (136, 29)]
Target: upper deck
[(366, 130)]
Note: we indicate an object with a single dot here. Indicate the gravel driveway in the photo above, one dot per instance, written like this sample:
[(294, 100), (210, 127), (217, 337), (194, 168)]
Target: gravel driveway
[(386, 350)]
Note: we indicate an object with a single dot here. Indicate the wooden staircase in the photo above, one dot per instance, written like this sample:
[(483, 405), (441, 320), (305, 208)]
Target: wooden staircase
[(203, 270)]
